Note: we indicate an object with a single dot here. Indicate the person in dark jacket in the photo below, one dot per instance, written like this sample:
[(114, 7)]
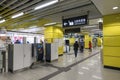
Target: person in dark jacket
[(40, 51), (81, 45), (17, 42), (75, 48)]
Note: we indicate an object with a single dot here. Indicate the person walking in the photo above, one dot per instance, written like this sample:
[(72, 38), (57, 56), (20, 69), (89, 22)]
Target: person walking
[(81, 45), (90, 46), (75, 48), (40, 51)]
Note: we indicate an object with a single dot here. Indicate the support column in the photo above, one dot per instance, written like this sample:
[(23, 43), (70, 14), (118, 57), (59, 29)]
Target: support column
[(111, 37), (54, 34)]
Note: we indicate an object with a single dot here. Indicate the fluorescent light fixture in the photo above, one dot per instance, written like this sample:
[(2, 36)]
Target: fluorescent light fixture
[(30, 30), (1, 21), (48, 24), (46, 4), (2, 34), (17, 15), (96, 30), (115, 8), (100, 20), (33, 27), (14, 30), (90, 26), (21, 28)]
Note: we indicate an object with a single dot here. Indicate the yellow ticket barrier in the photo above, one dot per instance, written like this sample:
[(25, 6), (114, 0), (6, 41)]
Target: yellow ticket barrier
[(60, 50), (86, 40), (99, 41)]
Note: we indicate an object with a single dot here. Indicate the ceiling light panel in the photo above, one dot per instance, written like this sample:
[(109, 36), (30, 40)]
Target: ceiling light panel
[(1, 21), (114, 8), (17, 15), (100, 20), (46, 4), (48, 24)]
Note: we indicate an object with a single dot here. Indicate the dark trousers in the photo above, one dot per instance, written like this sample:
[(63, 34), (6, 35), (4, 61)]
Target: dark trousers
[(75, 52), (81, 48), (40, 57)]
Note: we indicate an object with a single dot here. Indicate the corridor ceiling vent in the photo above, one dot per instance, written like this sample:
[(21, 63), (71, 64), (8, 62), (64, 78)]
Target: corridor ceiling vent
[(1, 21), (114, 8), (17, 15), (46, 4)]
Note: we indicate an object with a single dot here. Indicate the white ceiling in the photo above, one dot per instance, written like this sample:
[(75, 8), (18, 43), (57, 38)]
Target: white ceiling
[(105, 6)]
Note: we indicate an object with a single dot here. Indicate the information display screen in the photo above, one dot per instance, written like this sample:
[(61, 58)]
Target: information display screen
[(75, 21), (72, 30)]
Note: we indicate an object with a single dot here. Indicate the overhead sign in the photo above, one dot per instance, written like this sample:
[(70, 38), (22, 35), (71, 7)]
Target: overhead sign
[(75, 21), (72, 30)]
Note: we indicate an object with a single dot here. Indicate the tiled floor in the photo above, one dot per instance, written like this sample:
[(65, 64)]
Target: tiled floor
[(68, 68), (69, 58), (90, 69), (32, 74)]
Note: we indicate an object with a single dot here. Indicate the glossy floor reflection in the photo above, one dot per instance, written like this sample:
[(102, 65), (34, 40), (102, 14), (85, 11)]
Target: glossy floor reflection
[(81, 69), (69, 58), (91, 69)]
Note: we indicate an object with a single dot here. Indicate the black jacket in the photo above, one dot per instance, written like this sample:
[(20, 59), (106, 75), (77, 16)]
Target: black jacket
[(76, 46)]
